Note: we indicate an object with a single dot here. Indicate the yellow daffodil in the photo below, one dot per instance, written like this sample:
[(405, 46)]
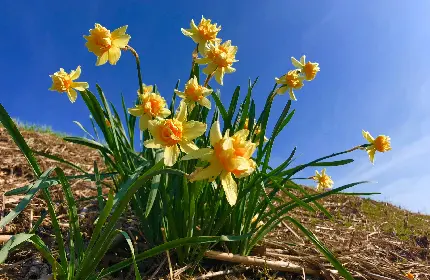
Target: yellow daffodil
[(151, 105), (194, 92), (106, 45), (63, 82), (146, 89), (381, 144), (410, 276), (219, 59), (254, 219), (257, 130), (203, 33), (309, 69), (230, 155), (172, 134), (323, 181), (290, 81)]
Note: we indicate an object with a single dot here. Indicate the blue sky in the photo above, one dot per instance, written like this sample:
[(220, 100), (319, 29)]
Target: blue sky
[(374, 59)]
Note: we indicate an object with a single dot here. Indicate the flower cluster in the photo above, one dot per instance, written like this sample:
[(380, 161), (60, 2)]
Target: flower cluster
[(293, 79), (230, 156)]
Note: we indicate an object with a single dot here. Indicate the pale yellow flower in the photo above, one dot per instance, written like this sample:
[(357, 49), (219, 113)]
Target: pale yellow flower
[(257, 130), (106, 45), (254, 219), (323, 181), (195, 93), (151, 105), (63, 82), (172, 134), (290, 81), (381, 144), (146, 89), (230, 155), (309, 69), (202, 34), (219, 59)]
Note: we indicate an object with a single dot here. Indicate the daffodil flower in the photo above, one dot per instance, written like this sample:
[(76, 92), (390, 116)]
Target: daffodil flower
[(151, 105), (172, 134), (106, 45), (219, 59), (257, 130), (381, 144), (146, 89), (290, 81), (309, 69), (203, 33), (195, 93), (63, 82), (230, 155), (323, 181)]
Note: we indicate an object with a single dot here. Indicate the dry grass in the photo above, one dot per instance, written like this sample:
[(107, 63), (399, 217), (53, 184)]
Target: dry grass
[(370, 238)]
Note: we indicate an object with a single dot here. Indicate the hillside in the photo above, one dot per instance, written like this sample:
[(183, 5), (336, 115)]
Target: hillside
[(374, 240)]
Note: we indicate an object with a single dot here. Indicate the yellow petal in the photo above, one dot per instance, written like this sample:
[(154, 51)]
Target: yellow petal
[(186, 32), (193, 129), (150, 144), (367, 136), (203, 60), (292, 96), (81, 86), (102, 59), (137, 111), (205, 102), (243, 133), (188, 146), (210, 172), (229, 186), (119, 31), (203, 154), (75, 74), (296, 63), (181, 114), (72, 94), (121, 41), (171, 155), (143, 122), (219, 75), (303, 59), (164, 113), (179, 93), (114, 55), (281, 90), (202, 48), (371, 153), (229, 69), (215, 133)]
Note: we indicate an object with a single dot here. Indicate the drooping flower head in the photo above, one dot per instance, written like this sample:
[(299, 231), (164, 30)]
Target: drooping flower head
[(172, 134), (151, 105), (63, 82), (290, 81), (203, 33), (219, 59), (230, 155), (309, 69), (195, 93), (381, 144), (324, 182), (106, 45)]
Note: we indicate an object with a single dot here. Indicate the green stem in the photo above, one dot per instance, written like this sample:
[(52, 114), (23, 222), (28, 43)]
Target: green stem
[(139, 73)]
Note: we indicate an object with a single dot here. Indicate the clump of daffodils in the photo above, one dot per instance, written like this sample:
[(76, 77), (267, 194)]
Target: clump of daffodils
[(381, 144), (293, 79), (229, 156), (65, 82), (106, 45), (324, 182)]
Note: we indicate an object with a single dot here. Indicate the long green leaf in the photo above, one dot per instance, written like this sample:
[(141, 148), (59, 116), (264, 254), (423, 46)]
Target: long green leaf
[(89, 143), (10, 126), (130, 244), (60, 160), (12, 243), (26, 199), (220, 106)]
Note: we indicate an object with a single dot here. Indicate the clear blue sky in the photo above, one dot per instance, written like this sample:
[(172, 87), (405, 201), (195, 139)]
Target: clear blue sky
[(374, 58)]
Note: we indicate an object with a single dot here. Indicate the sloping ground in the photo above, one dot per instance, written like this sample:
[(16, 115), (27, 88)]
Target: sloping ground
[(374, 240)]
